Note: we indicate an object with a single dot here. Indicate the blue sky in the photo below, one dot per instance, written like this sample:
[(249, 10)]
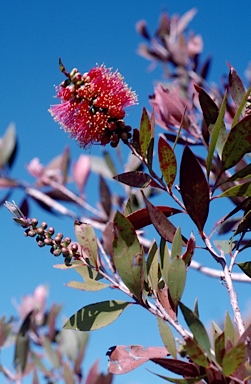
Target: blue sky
[(33, 36)]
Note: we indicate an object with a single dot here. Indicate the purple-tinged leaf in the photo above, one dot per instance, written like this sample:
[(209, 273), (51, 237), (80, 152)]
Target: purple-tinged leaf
[(110, 163), (163, 226), (178, 366), (136, 179), (197, 328), (237, 143), (88, 242), (167, 337), (5, 182), (141, 217), (194, 189), (196, 353), (167, 162), (123, 359), (144, 133), (233, 358), (236, 87), (194, 380), (218, 135), (245, 267), (242, 105), (127, 255), (219, 347), (97, 315), (190, 247), (105, 196), (208, 106), (242, 190), (205, 68), (176, 279)]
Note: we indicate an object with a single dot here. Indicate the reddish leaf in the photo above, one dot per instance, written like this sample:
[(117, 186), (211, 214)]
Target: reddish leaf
[(105, 196), (166, 300), (123, 359), (167, 161), (237, 143), (7, 183), (178, 366), (195, 352), (187, 256), (194, 188), (163, 226), (141, 217), (144, 133), (236, 87)]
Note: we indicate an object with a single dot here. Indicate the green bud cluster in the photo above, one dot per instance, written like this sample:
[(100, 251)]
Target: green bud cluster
[(59, 245)]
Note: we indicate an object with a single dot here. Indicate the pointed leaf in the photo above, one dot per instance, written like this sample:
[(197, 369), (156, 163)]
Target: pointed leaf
[(167, 337), (177, 244), (163, 226), (241, 106), (236, 87), (164, 260), (105, 196), (8, 144), (190, 248), (245, 267), (233, 358), (219, 347), (197, 328), (241, 174), (229, 328), (176, 279), (144, 133), (153, 267), (196, 353), (87, 239), (127, 255), (242, 190), (218, 129), (89, 285), (136, 179), (22, 347), (95, 316), (194, 380), (178, 366), (167, 162), (141, 217), (237, 143), (208, 106), (194, 189), (150, 155)]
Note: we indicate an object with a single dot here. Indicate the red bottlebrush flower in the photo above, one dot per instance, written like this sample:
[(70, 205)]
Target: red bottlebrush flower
[(93, 106)]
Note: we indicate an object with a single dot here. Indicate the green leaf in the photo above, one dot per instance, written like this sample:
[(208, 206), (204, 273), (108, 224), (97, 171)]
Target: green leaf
[(136, 179), (229, 328), (167, 162), (241, 106), (197, 328), (196, 308), (219, 347), (237, 143), (177, 244), (224, 245), (152, 266), (164, 260), (150, 155), (22, 347), (97, 315), (196, 353), (90, 285), (194, 188), (127, 255), (167, 337), (241, 174), (50, 352), (216, 329), (8, 144), (242, 190), (176, 279), (233, 359), (245, 267), (218, 135), (144, 133), (87, 239)]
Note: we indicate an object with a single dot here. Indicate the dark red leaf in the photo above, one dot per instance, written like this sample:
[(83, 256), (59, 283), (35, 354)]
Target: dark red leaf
[(134, 179), (194, 188), (208, 106), (141, 217), (105, 196), (177, 366)]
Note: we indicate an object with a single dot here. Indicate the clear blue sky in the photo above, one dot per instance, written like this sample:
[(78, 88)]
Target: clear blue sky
[(33, 35)]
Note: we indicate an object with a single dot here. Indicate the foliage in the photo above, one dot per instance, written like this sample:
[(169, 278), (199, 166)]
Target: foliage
[(213, 128)]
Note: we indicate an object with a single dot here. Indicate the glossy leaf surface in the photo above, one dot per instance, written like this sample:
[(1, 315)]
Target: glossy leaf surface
[(96, 316), (208, 106), (141, 218), (194, 189)]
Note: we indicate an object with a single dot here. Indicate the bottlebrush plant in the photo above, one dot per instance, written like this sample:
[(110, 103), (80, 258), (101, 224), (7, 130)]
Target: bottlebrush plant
[(201, 155)]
